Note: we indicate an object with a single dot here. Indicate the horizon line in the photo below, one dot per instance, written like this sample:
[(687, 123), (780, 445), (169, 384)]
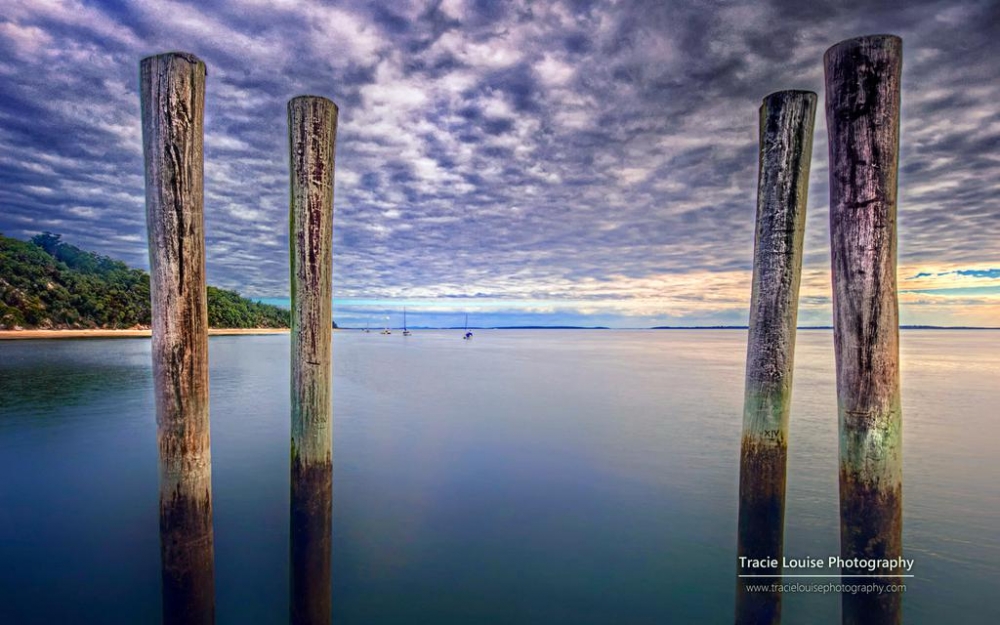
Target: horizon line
[(698, 327)]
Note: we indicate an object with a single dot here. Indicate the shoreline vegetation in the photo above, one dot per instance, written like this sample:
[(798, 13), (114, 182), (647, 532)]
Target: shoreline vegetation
[(49, 285)]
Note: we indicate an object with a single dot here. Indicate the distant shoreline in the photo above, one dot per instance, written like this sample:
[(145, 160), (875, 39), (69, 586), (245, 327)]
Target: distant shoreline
[(744, 328), (15, 335)]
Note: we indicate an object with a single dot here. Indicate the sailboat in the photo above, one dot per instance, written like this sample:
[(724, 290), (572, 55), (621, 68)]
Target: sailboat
[(366, 326), (386, 330), (405, 331), (468, 335)]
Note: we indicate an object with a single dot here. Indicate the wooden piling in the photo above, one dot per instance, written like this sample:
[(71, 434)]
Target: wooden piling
[(173, 103), (862, 113), (786, 131), (312, 130)]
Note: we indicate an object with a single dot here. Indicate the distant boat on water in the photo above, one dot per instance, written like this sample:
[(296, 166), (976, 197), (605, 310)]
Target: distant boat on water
[(386, 330), (366, 326), (405, 331), (468, 335)]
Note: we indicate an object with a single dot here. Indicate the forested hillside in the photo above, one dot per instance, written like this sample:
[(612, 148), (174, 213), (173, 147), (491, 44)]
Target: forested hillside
[(46, 283)]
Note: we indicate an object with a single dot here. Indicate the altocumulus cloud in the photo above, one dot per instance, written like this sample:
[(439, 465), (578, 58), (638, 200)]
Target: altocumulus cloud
[(573, 159)]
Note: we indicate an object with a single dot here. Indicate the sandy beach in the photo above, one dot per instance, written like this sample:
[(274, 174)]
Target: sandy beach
[(121, 334)]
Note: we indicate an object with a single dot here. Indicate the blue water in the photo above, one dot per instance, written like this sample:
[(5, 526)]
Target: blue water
[(522, 477)]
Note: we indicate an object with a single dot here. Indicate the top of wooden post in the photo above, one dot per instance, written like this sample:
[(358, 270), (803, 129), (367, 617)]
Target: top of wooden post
[(790, 93), (787, 95), (300, 98), (169, 56), (893, 42)]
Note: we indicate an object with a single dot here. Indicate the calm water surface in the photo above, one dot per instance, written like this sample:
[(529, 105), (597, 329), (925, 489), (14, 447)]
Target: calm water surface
[(522, 477)]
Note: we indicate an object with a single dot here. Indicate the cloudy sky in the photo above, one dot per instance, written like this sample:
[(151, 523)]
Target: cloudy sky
[(585, 162)]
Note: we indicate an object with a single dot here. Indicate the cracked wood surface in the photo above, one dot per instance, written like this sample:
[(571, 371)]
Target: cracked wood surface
[(173, 103), (862, 111), (786, 131), (312, 130)]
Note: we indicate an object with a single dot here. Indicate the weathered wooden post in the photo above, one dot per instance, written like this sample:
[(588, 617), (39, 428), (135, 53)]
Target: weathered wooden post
[(862, 117), (312, 131), (173, 103), (786, 131)]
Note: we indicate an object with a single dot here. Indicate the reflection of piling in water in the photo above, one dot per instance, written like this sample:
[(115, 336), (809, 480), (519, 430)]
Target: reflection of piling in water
[(862, 116), (173, 102), (786, 130), (312, 129)]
